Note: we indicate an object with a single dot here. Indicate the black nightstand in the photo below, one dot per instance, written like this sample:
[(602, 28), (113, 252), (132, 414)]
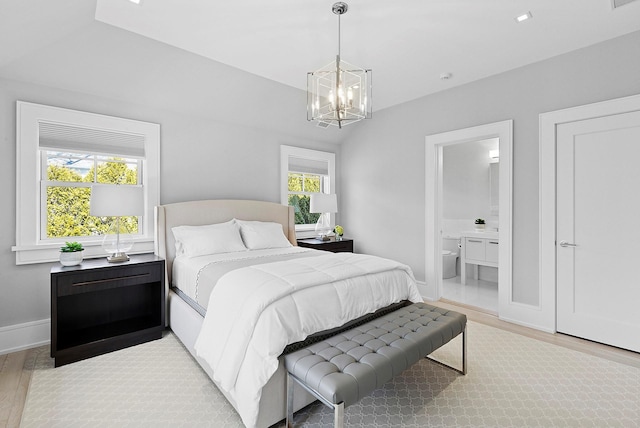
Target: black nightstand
[(344, 246), (99, 307)]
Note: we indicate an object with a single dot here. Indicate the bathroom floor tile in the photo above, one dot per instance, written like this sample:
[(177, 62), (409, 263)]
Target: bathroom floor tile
[(478, 293)]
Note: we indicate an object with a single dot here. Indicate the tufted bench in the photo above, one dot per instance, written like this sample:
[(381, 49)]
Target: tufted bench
[(342, 369)]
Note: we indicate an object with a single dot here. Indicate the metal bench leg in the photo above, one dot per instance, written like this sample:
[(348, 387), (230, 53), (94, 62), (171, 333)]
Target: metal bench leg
[(462, 371), (338, 415), (464, 350), (289, 401), (338, 409)]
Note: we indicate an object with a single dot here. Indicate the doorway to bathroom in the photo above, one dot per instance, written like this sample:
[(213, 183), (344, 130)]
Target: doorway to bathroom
[(470, 223), (469, 177)]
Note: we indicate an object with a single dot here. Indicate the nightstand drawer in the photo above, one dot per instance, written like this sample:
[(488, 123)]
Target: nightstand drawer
[(344, 246), (107, 278)]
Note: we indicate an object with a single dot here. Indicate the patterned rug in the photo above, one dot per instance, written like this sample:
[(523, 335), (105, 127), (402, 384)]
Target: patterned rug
[(512, 381)]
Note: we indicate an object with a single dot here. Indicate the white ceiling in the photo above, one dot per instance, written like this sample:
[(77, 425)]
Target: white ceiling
[(407, 43)]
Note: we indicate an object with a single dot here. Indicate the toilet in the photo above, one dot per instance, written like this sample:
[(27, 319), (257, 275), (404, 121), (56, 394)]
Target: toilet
[(450, 247)]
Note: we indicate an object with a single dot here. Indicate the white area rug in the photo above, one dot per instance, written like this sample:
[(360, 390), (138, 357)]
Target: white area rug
[(512, 381)]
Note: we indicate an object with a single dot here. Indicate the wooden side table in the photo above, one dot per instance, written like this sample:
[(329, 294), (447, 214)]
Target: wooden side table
[(99, 307), (344, 246)]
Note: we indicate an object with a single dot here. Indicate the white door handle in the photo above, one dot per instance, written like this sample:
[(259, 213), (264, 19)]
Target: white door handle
[(566, 244)]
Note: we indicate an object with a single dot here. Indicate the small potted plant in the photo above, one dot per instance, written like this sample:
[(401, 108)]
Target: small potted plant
[(71, 254), (479, 224), (339, 231)]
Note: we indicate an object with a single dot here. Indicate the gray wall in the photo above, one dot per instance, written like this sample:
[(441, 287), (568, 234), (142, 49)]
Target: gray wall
[(200, 158), (383, 176), (221, 128)]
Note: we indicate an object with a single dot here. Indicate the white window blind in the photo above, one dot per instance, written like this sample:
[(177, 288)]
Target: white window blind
[(309, 166), (64, 137)]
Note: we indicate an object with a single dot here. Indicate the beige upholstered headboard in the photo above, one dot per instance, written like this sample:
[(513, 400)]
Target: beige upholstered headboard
[(197, 213)]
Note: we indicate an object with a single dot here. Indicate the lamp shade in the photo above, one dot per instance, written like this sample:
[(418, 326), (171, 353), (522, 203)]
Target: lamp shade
[(115, 201), (323, 203)]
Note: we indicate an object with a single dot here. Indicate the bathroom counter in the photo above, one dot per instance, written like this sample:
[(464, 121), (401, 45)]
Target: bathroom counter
[(478, 249), (489, 234)]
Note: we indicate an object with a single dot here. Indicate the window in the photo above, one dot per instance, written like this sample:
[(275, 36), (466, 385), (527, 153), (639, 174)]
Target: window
[(66, 180), (300, 188), (61, 153), (305, 172)]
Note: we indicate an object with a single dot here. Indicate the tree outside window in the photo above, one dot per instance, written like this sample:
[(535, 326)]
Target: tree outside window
[(69, 177), (301, 186)]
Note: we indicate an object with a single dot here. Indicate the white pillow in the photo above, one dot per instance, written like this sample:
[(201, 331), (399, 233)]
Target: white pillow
[(259, 235), (192, 241)]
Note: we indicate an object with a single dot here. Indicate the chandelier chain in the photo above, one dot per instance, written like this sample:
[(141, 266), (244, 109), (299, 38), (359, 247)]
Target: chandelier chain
[(339, 35)]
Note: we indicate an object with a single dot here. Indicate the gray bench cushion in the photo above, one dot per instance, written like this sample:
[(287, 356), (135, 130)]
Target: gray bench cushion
[(350, 365)]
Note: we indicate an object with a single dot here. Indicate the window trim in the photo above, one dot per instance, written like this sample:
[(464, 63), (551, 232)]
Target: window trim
[(304, 230), (29, 247)]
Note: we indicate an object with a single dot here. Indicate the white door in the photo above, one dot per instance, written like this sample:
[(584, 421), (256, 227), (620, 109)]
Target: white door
[(598, 229)]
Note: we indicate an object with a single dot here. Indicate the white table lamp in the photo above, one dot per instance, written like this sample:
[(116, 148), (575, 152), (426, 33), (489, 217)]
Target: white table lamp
[(324, 204), (117, 201)]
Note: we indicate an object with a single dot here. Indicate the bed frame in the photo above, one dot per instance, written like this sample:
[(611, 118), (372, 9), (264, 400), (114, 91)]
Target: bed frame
[(186, 322)]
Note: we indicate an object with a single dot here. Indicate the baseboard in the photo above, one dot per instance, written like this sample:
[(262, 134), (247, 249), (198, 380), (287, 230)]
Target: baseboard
[(28, 335), (424, 291), (526, 324)]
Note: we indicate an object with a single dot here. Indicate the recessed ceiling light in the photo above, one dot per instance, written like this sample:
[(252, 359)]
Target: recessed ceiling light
[(524, 17), (136, 1)]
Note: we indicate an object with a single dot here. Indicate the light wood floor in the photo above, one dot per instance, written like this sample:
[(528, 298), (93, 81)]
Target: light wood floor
[(593, 348), (15, 375), (16, 368)]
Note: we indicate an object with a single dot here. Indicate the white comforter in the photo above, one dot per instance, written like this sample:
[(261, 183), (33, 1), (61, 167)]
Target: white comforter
[(254, 312)]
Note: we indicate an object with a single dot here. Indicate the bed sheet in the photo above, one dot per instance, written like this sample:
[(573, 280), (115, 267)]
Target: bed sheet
[(197, 276)]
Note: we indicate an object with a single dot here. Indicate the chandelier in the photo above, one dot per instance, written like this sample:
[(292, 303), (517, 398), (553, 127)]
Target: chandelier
[(339, 93)]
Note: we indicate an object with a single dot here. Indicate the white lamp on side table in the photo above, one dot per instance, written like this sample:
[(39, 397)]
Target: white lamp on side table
[(117, 201), (324, 204)]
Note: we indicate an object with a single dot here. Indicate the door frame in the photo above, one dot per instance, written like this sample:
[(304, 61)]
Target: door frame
[(433, 204), (547, 176)]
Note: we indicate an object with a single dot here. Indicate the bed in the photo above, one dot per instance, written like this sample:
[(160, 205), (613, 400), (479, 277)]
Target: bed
[(200, 312)]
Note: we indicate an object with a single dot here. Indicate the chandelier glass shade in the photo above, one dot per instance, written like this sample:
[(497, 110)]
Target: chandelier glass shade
[(339, 93)]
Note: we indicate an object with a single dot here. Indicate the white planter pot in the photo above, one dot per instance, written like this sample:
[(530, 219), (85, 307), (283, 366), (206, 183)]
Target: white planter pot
[(71, 259), (480, 227)]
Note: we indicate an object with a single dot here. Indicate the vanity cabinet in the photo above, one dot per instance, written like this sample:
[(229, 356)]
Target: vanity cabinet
[(475, 248), (491, 251), (478, 251)]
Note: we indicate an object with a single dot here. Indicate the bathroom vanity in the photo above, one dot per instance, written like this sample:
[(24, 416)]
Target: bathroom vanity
[(478, 249)]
